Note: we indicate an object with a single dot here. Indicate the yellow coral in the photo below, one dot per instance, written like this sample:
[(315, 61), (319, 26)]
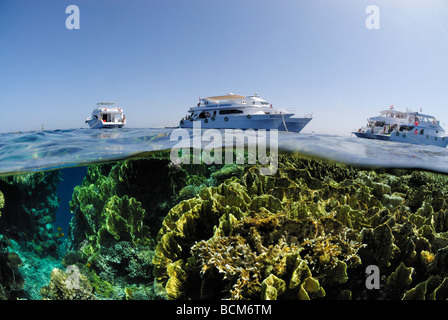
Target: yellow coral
[(271, 287), (68, 286), (426, 257)]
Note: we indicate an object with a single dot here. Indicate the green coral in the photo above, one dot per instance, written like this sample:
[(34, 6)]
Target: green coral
[(124, 220), (272, 287), (228, 232), (11, 279), (28, 205), (147, 187), (434, 288), (330, 219), (117, 209), (105, 206), (101, 287), (268, 220)]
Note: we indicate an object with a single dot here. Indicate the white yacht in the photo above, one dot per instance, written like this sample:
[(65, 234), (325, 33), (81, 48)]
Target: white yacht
[(106, 115), (234, 111), (404, 126)]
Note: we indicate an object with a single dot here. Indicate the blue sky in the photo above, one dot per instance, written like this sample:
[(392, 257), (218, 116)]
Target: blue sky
[(155, 58)]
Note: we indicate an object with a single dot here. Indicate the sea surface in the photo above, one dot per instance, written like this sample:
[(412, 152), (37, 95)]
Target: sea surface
[(22, 152)]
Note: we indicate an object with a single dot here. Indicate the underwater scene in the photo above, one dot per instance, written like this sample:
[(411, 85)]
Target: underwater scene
[(89, 215)]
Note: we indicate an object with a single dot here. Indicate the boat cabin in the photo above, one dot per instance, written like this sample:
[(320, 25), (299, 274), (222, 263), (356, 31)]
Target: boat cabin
[(106, 115), (229, 105), (108, 112)]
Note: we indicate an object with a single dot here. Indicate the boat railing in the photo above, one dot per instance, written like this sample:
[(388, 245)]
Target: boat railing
[(282, 110)]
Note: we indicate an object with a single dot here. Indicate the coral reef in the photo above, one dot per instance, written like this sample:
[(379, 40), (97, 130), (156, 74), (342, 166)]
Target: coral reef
[(126, 198), (147, 229), (70, 285), (308, 232), (116, 211), (254, 219), (11, 281), (28, 206)]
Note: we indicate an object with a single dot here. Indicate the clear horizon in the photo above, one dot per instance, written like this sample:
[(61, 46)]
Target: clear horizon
[(155, 58)]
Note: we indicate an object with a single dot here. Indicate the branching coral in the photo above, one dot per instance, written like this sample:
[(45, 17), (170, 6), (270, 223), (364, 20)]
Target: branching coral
[(68, 286), (259, 248), (240, 267)]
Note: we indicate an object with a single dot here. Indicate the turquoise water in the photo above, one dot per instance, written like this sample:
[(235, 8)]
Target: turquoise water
[(33, 151)]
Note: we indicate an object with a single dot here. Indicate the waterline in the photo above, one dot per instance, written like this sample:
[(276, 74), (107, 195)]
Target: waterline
[(208, 145)]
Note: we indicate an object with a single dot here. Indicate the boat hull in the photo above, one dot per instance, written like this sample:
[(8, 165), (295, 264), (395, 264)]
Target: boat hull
[(406, 137), (368, 135), (294, 124), (265, 121), (98, 124), (236, 122), (410, 137)]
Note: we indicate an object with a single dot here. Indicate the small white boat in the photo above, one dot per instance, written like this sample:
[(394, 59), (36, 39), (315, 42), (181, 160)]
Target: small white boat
[(106, 115), (233, 111), (404, 126)]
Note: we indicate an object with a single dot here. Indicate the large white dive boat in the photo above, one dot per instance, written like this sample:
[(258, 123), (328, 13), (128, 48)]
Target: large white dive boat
[(106, 115), (234, 111), (404, 126)]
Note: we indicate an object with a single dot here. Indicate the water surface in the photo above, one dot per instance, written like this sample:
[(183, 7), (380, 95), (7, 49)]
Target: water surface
[(34, 151)]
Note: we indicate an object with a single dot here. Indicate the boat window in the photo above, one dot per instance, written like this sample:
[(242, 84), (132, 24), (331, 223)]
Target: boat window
[(406, 128), (230, 111), (204, 114)]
